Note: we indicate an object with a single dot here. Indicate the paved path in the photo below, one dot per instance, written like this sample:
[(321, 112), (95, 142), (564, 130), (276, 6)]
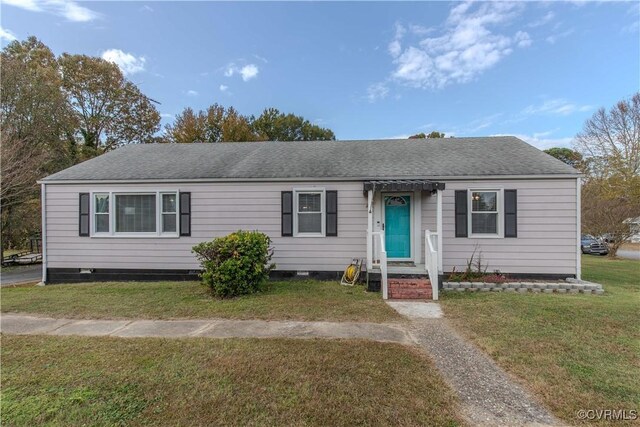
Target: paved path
[(20, 274), (28, 325), (489, 396)]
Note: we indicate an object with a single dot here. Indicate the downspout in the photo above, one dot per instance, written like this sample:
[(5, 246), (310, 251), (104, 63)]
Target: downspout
[(43, 195), (578, 228)]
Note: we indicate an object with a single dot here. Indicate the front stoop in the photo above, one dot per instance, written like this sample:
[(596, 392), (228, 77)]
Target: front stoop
[(413, 288)]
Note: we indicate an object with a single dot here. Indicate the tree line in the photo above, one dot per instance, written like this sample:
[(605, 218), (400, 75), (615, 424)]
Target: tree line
[(607, 152), (58, 111)]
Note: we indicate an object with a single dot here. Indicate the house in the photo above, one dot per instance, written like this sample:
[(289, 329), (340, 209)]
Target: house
[(409, 207)]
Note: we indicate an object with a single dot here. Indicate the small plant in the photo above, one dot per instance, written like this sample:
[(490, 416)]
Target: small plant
[(475, 269), (237, 264)]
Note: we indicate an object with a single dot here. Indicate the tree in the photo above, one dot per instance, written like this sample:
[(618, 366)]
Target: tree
[(604, 214), (610, 145), (272, 125), (216, 124), (33, 116), (611, 140), (110, 110), (566, 155), (422, 135), (220, 124)]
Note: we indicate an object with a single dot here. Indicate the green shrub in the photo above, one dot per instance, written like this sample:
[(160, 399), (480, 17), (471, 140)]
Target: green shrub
[(237, 264)]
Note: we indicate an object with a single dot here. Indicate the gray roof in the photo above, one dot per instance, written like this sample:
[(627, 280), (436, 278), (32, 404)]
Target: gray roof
[(362, 159)]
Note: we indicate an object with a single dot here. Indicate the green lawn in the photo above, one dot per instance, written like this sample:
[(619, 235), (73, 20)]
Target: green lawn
[(114, 381), (288, 300), (574, 351)]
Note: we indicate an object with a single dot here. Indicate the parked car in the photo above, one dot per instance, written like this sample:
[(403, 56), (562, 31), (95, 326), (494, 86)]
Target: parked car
[(593, 246)]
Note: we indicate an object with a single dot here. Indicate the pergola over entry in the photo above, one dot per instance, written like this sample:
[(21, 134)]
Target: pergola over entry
[(376, 251), (403, 185)]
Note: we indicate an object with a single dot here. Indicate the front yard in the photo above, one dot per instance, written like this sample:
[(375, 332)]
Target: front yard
[(574, 351), (307, 300), (114, 381)]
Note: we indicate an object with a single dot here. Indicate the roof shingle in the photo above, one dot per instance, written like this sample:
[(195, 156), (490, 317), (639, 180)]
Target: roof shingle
[(360, 159)]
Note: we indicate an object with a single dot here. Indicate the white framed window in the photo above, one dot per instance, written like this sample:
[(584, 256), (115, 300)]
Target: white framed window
[(135, 214), (486, 213), (101, 213), (309, 210)]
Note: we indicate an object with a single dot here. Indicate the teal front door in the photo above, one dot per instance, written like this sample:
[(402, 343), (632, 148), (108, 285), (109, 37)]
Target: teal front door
[(397, 226)]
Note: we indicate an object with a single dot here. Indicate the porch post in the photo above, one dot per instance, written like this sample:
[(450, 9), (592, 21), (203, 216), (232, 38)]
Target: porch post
[(439, 226), (369, 229)]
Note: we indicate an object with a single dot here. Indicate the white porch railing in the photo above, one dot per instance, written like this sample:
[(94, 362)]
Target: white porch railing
[(431, 253), (379, 259)]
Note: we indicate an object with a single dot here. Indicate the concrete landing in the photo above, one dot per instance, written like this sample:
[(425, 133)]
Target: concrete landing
[(417, 309)]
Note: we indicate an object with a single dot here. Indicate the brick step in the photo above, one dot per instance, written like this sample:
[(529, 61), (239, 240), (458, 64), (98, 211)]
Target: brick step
[(410, 282), (410, 288)]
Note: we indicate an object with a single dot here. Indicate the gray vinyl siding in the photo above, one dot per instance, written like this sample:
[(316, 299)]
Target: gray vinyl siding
[(546, 242), (217, 209)]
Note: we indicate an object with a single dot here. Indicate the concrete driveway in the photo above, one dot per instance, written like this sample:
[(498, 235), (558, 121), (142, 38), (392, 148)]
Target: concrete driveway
[(20, 274)]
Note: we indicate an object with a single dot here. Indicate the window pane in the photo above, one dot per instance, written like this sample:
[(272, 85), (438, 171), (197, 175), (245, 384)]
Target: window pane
[(484, 201), (102, 203), (168, 223), (310, 223), (168, 203), (484, 223), (102, 223), (309, 202), (135, 213)]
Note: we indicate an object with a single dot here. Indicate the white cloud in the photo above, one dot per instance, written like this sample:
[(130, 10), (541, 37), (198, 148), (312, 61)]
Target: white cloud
[(192, 92), (538, 140), (7, 35), (167, 116), (146, 8), (552, 39), (223, 88), (377, 91), (68, 9), (548, 17), (468, 44), (247, 72), (558, 107), (128, 63)]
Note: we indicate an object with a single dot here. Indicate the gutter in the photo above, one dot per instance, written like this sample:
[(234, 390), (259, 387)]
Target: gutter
[(309, 179)]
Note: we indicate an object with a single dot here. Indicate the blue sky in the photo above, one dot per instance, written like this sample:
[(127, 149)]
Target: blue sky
[(537, 70)]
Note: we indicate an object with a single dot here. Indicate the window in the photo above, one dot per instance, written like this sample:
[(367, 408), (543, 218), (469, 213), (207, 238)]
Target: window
[(101, 205), (485, 213), (309, 218), (135, 214), (169, 211)]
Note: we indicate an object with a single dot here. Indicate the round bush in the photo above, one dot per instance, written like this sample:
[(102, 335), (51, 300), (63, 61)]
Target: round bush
[(237, 264)]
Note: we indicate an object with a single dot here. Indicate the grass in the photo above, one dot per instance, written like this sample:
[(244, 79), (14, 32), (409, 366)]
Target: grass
[(573, 351), (112, 381), (308, 300)]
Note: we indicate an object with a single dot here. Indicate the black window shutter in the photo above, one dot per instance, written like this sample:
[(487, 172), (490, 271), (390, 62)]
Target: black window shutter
[(461, 213), (84, 215), (332, 213), (185, 214), (510, 213), (287, 213)]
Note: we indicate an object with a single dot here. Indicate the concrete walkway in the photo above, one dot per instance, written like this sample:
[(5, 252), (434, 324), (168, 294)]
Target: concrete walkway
[(24, 324), (489, 396)]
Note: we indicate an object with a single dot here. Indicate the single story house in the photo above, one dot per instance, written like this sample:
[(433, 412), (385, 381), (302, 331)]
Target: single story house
[(416, 206)]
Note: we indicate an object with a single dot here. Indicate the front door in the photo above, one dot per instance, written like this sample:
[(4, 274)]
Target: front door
[(397, 226)]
